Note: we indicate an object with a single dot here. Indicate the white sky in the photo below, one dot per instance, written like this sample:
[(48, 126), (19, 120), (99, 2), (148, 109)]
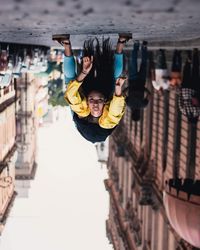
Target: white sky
[(68, 204)]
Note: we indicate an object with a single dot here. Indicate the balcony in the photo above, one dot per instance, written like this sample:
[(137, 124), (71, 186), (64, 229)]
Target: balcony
[(7, 93)]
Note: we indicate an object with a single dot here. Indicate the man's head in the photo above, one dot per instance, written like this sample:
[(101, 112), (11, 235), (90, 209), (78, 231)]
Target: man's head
[(175, 82), (175, 79), (96, 102), (193, 120)]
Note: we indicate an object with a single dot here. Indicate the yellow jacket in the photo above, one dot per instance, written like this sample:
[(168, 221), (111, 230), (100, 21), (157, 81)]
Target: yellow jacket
[(112, 112)]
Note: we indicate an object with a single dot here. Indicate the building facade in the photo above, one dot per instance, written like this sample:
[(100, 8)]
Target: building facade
[(26, 127), (32, 105), (143, 156), (8, 152)]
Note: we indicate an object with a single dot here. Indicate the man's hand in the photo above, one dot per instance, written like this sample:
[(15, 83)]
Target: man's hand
[(195, 102), (87, 64), (118, 86)]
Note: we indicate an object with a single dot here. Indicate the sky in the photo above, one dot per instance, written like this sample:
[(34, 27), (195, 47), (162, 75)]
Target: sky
[(68, 204)]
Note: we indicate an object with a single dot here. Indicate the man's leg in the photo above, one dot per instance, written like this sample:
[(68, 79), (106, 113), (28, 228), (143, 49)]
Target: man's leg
[(133, 83), (187, 76), (133, 72), (195, 73), (195, 70), (143, 66), (177, 61), (161, 60)]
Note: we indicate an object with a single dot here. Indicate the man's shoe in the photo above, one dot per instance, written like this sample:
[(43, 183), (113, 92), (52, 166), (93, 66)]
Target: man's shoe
[(144, 43), (62, 38), (124, 37)]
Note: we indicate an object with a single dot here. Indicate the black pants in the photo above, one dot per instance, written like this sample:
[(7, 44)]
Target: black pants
[(161, 60), (191, 77), (176, 61), (136, 76)]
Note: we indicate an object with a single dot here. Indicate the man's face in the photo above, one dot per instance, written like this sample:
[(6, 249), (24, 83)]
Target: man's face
[(175, 78), (96, 103), (175, 81)]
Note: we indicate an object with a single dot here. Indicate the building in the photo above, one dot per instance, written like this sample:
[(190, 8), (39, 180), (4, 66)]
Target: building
[(26, 128), (32, 105), (8, 151), (144, 157)]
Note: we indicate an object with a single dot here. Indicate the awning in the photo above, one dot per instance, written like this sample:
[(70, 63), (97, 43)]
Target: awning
[(183, 212)]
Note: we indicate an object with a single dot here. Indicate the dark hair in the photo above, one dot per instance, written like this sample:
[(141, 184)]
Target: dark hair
[(135, 115), (193, 120), (197, 95), (101, 76)]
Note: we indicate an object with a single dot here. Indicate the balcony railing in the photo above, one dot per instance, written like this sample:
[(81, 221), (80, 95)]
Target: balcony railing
[(7, 93)]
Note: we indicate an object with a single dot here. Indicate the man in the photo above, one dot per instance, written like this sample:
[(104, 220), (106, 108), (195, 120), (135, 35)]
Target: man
[(189, 98), (138, 95), (161, 79), (176, 69)]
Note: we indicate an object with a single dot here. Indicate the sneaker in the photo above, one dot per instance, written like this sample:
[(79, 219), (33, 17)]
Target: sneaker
[(144, 43), (61, 38), (195, 51), (124, 37)]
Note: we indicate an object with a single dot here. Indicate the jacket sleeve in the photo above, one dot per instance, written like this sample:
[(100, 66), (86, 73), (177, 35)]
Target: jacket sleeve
[(74, 99), (113, 112)]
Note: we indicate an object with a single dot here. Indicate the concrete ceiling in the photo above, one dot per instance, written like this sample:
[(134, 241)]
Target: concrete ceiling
[(34, 22)]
